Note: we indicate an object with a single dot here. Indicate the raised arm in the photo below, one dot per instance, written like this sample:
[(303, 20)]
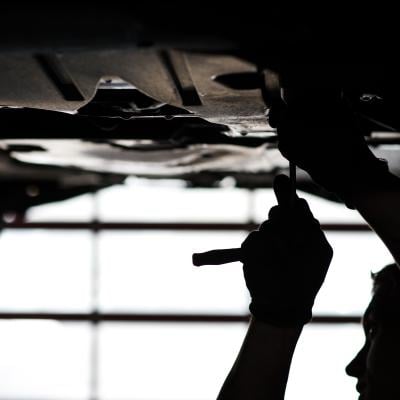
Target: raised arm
[(325, 138), (381, 209), (284, 264), (262, 366)]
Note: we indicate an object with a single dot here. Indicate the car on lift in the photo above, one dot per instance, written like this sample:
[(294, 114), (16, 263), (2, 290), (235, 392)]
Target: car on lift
[(91, 95)]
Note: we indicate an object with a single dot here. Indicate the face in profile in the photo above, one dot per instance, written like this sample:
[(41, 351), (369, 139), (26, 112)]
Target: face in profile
[(377, 365)]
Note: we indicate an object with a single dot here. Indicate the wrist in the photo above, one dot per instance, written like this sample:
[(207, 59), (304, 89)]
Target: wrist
[(356, 170), (266, 328), (281, 318), (371, 176)]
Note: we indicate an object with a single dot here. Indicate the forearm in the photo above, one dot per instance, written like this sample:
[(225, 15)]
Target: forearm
[(262, 366), (381, 209), (284, 264)]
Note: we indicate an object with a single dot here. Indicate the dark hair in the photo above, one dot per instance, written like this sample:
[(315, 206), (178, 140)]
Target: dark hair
[(388, 278), (386, 291)]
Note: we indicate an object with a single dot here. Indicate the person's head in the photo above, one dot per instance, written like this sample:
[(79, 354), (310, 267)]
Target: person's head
[(377, 365)]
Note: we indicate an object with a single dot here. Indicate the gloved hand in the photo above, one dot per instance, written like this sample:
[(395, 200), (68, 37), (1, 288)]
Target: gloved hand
[(326, 139), (285, 261)]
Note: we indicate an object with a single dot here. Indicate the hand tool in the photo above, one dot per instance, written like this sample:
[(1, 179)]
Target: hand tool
[(224, 256)]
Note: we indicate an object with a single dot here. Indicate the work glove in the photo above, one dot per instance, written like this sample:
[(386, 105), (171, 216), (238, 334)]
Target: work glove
[(285, 261), (327, 140)]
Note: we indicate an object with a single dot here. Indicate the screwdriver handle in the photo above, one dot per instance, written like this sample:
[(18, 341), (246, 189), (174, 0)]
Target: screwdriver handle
[(217, 257)]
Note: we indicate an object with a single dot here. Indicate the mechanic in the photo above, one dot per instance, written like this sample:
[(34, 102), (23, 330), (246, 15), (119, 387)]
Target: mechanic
[(285, 263), (286, 260)]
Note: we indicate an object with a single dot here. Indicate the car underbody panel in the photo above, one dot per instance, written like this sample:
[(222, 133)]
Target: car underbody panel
[(91, 97)]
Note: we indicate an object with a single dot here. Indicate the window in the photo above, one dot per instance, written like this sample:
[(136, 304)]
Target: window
[(115, 310)]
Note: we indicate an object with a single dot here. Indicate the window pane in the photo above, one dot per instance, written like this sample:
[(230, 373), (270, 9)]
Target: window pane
[(166, 361), (153, 272), (141, 200), (172, 361), (44, 359), (347, 288), (320, 358), (79, 208), (45, 270)]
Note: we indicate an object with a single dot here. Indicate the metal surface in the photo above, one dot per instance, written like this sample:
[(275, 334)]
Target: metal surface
[(68, 81), (167, 68), (26, 185), (140, 158)]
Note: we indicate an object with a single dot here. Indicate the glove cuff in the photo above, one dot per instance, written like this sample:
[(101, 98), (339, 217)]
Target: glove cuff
[(281, 318)]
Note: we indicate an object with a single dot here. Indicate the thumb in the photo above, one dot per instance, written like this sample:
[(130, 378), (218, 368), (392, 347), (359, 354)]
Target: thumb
[(282, 190)]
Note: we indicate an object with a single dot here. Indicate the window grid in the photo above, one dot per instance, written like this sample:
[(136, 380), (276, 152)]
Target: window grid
[(95, 317)]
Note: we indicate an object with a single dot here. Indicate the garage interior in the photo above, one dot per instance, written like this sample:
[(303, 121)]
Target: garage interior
[(131, 139)]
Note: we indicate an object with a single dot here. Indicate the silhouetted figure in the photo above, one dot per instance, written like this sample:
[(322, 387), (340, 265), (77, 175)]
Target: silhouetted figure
[(376, 366), (285, 263)]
